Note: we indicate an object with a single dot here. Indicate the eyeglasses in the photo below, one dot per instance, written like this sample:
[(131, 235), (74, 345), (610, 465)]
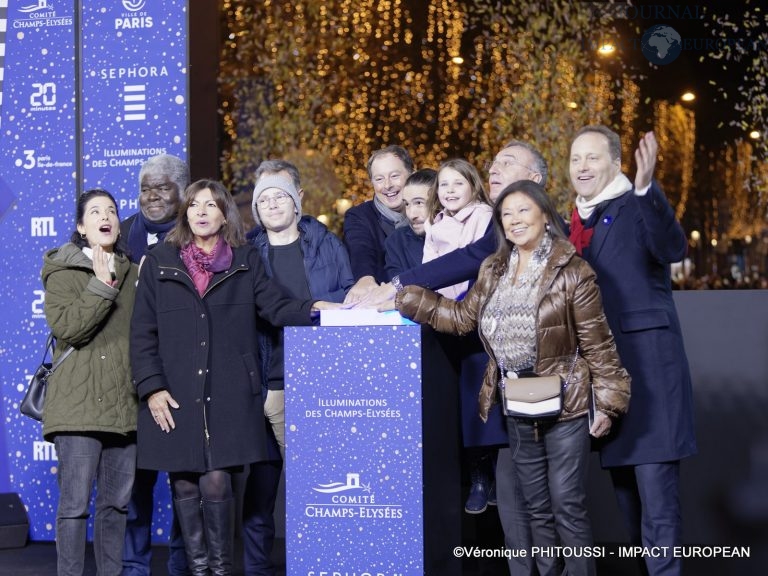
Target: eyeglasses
[(506, 164), (281, 198)]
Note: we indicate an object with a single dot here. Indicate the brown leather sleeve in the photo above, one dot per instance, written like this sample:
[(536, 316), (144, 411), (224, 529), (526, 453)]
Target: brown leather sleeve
[(443, 314), (610, 381)]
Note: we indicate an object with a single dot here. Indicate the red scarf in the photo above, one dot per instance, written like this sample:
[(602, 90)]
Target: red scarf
[(580, 236), (201, 265)]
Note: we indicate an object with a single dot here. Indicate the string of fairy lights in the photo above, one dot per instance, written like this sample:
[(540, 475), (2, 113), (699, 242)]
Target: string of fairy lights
[(675, 128), (326, 83), (347, 77)]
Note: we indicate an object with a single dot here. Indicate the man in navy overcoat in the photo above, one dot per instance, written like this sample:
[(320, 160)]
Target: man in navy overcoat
[(629, 234)]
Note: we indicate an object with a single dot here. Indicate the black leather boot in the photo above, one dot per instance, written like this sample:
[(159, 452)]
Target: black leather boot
[(219, 520), (190, 516), (477, 501)]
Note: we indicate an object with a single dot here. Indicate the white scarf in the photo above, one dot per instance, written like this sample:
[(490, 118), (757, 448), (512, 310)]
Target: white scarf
[(88, 251), (616, 188)]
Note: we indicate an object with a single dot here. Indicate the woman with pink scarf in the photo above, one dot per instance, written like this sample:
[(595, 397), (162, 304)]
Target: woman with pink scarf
[(194, 358)]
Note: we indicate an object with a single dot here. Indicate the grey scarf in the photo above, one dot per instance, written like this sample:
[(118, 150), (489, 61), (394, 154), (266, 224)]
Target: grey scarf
[(397, 219)]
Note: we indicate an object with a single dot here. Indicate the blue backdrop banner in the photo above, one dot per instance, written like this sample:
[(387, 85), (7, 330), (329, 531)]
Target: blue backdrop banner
[(39, 180), (88, 91), (133, 68), (353, 450)]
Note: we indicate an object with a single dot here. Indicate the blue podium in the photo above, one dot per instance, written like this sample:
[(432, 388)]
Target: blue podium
[(353, 404)]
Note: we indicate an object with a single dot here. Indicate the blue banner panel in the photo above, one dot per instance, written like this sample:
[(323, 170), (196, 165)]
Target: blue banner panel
[(37, 198), (88, 91), (134, 90), (4, 201), (353, 451)]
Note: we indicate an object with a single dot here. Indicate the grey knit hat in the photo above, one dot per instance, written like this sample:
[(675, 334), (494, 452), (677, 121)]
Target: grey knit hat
[(268, 182)]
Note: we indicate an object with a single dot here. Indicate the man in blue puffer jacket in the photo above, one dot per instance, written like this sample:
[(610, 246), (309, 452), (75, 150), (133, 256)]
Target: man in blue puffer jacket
[(306, 260)]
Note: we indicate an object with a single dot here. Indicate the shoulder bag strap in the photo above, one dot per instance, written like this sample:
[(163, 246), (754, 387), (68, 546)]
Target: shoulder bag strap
[(50, 345), (573, 367)]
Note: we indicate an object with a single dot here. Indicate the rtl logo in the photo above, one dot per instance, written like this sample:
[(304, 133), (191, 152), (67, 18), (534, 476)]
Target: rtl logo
[(43, 226)]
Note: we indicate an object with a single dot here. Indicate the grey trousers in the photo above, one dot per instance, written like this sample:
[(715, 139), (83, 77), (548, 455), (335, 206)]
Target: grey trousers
[(514, 516), (552, 472)]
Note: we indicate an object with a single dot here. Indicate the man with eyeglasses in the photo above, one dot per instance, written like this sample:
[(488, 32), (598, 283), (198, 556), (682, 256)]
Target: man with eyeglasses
[(308, 261), (517, 160), (162, 179)]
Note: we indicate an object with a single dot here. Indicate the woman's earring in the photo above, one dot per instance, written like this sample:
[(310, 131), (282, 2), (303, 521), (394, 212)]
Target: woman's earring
[(82, 236), (546, 226)]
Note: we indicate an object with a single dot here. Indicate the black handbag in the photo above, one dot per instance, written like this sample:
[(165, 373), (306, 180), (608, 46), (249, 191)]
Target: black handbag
[(34, 399)]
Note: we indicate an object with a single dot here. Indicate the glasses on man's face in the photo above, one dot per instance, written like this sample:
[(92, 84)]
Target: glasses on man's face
[(505, 164), (265, 201)]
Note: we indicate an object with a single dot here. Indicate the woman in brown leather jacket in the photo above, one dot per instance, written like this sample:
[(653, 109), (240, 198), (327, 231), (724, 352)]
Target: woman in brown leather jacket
[(537, 308)]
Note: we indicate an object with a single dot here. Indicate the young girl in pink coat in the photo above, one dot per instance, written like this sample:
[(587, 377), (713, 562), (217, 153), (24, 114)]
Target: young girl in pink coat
[(459, 210)]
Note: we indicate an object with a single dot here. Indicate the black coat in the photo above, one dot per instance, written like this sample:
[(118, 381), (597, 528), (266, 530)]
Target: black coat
[(204, 351), (633, 245), (365, 231)]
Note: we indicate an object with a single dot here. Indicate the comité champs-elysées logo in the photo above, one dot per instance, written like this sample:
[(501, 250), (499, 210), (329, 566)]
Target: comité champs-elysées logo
[(350, 499), (41, 13)]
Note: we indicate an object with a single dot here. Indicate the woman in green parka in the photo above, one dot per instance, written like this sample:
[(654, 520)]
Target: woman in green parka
[(90, 407)]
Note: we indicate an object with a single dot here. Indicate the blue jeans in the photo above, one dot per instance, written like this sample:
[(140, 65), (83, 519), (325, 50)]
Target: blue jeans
[(110, 459), (552, 471), (137, 553)]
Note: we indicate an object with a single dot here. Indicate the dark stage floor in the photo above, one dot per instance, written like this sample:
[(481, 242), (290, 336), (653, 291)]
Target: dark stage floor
[(483, 530), (39, 559)]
